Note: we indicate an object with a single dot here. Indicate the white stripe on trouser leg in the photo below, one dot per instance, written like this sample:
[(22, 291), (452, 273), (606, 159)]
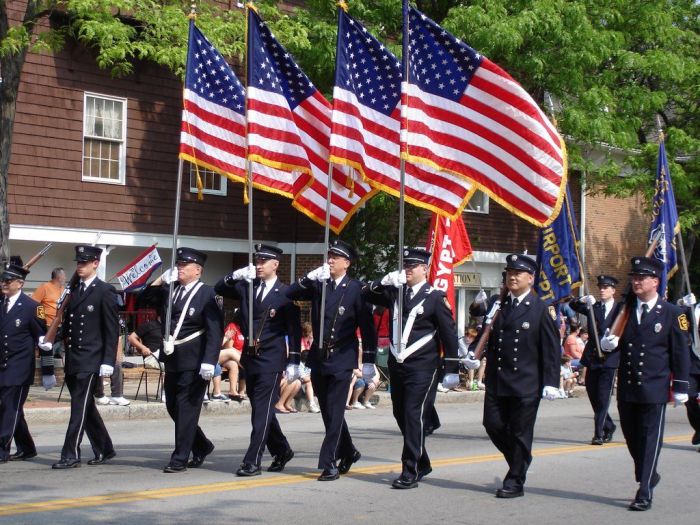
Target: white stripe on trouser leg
[(422, 408), (14, 425), (340, 431), (658, 444), (267, 426), (82, 418)]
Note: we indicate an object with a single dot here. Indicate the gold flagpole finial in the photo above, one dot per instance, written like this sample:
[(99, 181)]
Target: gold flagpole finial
[(343, 5), (249, 5), (193, 11), (660, 128)]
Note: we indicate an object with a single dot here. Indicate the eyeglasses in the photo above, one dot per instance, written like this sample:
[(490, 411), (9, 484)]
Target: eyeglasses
[(8, 281)]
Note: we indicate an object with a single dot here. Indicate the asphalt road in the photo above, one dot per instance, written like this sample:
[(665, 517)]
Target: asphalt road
[(570, 482)]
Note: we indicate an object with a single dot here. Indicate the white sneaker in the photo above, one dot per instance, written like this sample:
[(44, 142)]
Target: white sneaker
[(441, 388), (562, 394), (313, 407), (104, 400), (121, 401), (358, 405), (367, 404), (206, 398)]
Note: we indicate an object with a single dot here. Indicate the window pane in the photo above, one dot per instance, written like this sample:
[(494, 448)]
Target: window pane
[(103, 138)]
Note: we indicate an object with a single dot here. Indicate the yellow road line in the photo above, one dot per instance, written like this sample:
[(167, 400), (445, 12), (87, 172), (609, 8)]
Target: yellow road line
[(272, 481)]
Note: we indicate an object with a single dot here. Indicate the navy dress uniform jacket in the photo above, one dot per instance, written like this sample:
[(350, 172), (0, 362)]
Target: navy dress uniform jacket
[(434, 315), (91, 328), (346, 311), (651, 352), (524, 351), (275, 319), (590, 356), (20, 330), (203, 312)]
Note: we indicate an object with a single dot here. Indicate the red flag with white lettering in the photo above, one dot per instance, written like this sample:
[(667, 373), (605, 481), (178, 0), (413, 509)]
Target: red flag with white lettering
[(450, 246)]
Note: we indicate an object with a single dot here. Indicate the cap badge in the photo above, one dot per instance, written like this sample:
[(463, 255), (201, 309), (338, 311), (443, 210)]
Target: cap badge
[(81, 249), (637, 261), (405, 253), (513, 257)]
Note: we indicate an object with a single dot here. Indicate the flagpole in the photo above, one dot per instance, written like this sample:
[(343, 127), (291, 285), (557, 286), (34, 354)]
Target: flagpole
[(173, 257), (326, 241), (249, 182)]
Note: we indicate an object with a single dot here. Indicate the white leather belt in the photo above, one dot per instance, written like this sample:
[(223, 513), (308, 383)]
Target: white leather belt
[(195, 335)]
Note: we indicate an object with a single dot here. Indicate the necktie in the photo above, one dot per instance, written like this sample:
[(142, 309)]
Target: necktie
[(645, 311), (81, 289), (515, 303), (261, 292), (409, 294), (178, 295), (6, 307)]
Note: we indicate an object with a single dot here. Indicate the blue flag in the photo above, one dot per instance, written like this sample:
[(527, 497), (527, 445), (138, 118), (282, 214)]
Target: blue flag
[(559, 267), (664, 220)]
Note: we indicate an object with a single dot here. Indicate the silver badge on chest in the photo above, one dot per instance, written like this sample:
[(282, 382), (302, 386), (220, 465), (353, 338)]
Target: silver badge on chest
[(18, 323), (273, 313), (526, 325), (341, 310), (90, 308), (657, 328), (190, 312)]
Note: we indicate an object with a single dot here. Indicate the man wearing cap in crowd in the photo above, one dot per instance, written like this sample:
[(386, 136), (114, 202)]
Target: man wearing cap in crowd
[(334, 356), (21, 327), (523, 356), (601, 367), (190, 352), (653, 348), (276, 324), (91, 331), (415, 362)]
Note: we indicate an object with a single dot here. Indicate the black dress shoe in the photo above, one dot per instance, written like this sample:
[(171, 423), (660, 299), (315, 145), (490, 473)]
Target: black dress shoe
[(346, 463), (423, 473), (597, 441), (509, 493), (655, 479), (65, 464), (198, 459), (696, 439), (428, 430), (640, 505), (172, 468), (329, 474), (280, 461), (404, 482), (608, 436), (100, 459), (248, 470), (22, 456)]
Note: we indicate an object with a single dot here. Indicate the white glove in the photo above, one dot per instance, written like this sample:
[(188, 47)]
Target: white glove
[(688, 300), (48, 382), (321, 273), (106, 370), (609, 342), (588, 300), (247, 273), (292, 373), (396, 279), (168, 275), (450, 381), (470, 362), (550, 393), (481, 297), (206, 371), (368, 372), (46, 347), (679, 399)]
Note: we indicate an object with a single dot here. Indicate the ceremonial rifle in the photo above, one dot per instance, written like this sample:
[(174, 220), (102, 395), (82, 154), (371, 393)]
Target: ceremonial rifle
[(489, 321), (61, 306), (38, 256)]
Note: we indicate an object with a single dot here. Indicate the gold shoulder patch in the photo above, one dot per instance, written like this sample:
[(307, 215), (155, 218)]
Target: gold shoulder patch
[(40, 314), (552, 312), (683, 322)]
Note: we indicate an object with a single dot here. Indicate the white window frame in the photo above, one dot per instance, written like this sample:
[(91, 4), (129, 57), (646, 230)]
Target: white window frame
[(481, 209), (121, 181), (193, 189)]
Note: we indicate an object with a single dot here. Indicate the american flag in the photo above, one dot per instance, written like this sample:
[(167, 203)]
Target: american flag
[(466, 115), (367, 126), (289, 124), (213, 121)]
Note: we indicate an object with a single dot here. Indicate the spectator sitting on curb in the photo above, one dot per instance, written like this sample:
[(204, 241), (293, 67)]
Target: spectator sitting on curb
[(568, 378), (147, 339), (288, 391), (230, 359), (363, 391)]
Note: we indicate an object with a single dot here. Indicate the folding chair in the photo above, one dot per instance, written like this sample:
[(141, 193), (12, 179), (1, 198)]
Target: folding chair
[(382, 363), (144, 376)]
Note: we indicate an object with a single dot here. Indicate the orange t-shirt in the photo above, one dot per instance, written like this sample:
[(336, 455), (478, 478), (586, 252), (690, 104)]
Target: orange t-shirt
[(47, 295)]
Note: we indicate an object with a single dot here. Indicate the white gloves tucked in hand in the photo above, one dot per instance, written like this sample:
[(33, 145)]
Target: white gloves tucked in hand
[(368, 372), (396, 279), (168, 275), (292, 373), (319, 274), (550, 393), (609, 342), (46, 347), (679, 399), (206, 371), (588, 300), (450, 381), (247, 273), (106, 370), (481, 297), (48, 382)]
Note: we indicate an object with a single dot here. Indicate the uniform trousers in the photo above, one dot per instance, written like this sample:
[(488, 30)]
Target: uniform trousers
[(599, 387), (412, 398), (12, 422), (184, 393), (692, 406), (264, 392), (643, 427), (332, 391), (84, 417), (510, 422)]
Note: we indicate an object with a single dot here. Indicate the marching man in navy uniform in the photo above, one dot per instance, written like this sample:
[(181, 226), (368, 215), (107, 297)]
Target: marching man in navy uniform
[(276, 323), (523, 356), (91, 329), (334, 356), (600, 377), (693, 404), (21, 327), (190, 352), (653, 346), (415, 363)]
